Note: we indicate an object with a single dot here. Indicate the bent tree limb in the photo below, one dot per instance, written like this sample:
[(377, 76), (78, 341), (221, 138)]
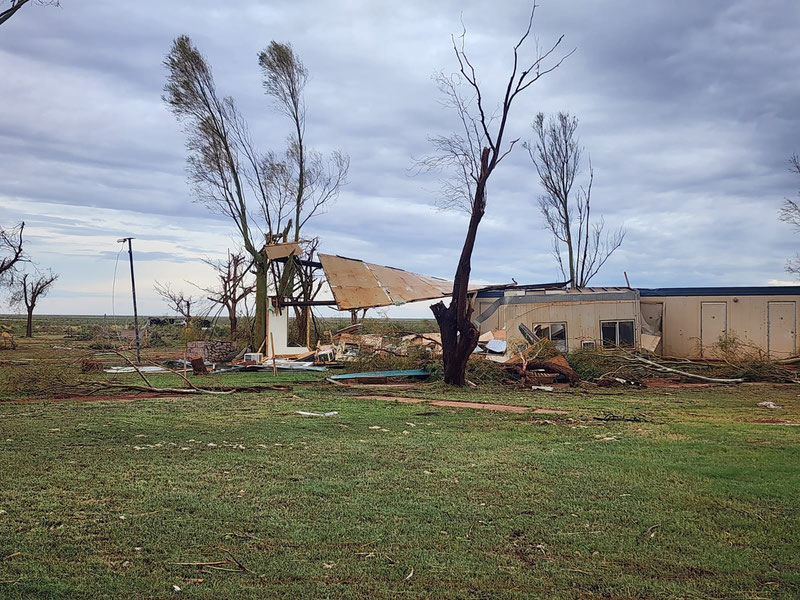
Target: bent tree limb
[(663, 369)]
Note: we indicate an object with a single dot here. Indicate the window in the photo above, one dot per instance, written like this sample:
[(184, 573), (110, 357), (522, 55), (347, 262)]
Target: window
[(555, 332), (617, 333)]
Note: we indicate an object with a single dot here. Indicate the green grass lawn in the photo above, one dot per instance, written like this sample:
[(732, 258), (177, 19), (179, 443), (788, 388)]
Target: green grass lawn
[(390, 500)]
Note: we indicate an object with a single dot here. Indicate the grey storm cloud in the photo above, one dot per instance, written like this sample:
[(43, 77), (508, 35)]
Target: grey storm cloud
[(689, 111)]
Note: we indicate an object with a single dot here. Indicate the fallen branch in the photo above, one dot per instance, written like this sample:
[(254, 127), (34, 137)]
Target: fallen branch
[(135, 368), (663, 369), (234, 559), (613, 417), (178, 373), (194, 390)]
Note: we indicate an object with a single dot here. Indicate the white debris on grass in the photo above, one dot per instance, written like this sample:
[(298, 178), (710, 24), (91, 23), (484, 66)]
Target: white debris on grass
[(314, 414), (768, 404)]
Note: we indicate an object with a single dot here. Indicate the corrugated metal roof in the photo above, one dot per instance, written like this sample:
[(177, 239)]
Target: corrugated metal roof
[(766, 290), (358, 284)]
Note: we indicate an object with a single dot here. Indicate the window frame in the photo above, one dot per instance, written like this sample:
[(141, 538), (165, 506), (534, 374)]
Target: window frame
[(616, 323), (549, 328)]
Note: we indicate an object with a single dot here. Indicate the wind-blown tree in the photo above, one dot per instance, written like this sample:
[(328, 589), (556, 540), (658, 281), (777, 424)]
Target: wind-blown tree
[(311, 180), (557, 155), (233, 285), (790, 213), (259, 192), (473, 153), (15, 5), (177, 300), (28, 290), (11, 253)]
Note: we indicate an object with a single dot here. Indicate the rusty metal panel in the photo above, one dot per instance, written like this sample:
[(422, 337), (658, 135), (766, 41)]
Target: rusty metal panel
[(357, 284), (282, 250), (352, 283), (402, 286)]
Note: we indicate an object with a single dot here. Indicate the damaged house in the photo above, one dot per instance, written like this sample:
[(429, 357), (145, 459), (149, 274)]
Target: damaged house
[(687, 322), (680, 322)]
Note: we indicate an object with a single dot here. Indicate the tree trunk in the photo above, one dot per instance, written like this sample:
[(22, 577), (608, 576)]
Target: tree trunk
[(29, 324), (301, 322), (233, 320), (260, 326), (459, 334)]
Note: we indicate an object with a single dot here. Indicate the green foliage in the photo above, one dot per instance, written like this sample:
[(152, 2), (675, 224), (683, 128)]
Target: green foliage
[(591, 364), (417, 358), (38, 380)]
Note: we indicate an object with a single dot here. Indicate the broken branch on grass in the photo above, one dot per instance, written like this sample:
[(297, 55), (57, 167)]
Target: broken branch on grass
[(664, 369), (135, 368), (234, 559), (178, 373), (613, 417)]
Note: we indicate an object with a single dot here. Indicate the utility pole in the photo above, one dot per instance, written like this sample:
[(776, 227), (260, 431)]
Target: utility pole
[(133, 290)]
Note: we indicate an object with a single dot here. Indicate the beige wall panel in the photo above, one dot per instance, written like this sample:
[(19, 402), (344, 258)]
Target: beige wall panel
[(713, 327), (582, 318), (781, 329), (746, 319)]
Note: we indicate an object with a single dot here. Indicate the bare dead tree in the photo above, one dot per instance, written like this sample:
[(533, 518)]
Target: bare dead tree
[(790, 213), (302, 174), (10, 249), (233, 285), (473, 153), (15, 5), (177, 300), (28, 290), (557, 155)]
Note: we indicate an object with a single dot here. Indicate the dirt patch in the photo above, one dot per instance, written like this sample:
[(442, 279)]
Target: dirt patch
[(774, 422), (661, 382)]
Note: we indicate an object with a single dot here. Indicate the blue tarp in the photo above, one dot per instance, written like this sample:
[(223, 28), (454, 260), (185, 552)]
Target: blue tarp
[(407, 373)]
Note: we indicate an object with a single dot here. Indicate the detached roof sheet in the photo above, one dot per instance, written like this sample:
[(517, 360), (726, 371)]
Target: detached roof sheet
[(359, 284), (282, 250)]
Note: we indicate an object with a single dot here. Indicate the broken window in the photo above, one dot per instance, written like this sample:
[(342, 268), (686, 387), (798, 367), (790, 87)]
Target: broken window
[(617, 334), (555, 332)]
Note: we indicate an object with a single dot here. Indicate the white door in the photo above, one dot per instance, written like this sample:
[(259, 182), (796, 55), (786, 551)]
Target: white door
[(713, 325), (781, 329)]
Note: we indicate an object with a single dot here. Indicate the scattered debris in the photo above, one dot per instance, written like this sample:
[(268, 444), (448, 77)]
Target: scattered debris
[(143, 369), (768, 404), (631, 419), (198, 366), (314, 414)]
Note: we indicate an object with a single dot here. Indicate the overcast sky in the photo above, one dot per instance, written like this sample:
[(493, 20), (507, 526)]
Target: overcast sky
[(689, 110)]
